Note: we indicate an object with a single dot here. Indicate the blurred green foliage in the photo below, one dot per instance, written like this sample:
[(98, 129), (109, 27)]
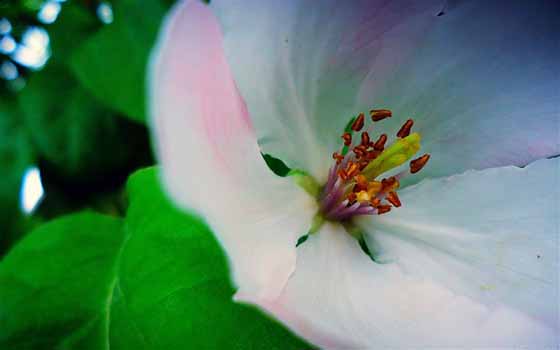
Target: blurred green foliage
[(85, 133)]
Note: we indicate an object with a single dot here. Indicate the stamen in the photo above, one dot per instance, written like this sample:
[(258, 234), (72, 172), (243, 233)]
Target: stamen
[(352, 169), (380, 114), (382, 209), (405, 129), (361, 183), (380, 143), (365, 139), (353, 187), (337, 157), (358, 124), (417, 164), (347, 137), (375, 202), (389, 184), (393, 198)]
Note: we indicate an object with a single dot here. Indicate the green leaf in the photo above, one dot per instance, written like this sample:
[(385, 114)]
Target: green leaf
[(56, 283), (112, 63), (276, 165), (163, 284)]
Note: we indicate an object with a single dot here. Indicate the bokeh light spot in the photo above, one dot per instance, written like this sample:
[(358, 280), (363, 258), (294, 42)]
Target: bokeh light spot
[(31, 191)]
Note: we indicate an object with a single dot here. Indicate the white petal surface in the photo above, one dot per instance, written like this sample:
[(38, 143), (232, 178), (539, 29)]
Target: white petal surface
[(491, 235), (483, 86), (210, 158), (470, 261), (299, 65)]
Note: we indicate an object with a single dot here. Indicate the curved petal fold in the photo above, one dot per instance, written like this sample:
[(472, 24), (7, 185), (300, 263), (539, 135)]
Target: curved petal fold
[(210, 159)]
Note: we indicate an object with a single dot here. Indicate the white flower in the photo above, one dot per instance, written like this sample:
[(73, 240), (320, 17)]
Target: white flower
[(470, 259)]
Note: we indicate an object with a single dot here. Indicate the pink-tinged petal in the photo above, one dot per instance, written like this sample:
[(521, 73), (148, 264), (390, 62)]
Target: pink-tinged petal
[(299, 65), (483, 86), (210, 159), (338, 298)]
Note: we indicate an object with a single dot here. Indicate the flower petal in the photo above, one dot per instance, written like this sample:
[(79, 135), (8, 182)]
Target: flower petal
[(299, 65), (339, 299), (488, 235), (483, 87), (210, 158)]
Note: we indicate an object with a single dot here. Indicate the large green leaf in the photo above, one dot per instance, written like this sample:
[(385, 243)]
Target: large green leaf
[(55, 284), (163, 284), (112, 63)]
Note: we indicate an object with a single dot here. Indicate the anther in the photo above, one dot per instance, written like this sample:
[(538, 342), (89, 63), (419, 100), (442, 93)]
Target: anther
[(347, 137), (352, 169), (382, 209), (359, 150), (417, 164), (405, 129), (352, 198), (380, 143), (389, 184), (361, 183), (374, 187), (358, 124), (337, 157), (343, 174), (380, 114), (393, 198), (362, 164), (375, 202), (365, 139)]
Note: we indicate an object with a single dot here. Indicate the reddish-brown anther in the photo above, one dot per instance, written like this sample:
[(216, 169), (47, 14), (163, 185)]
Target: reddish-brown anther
[(365, 139), (358, 124), (359, 150), (393, 198), (347, 137), (405, 129), (375, 202), (343, 174), (371, 155), (417, 164), (380, 114), (361, 183), (389, 184), (363, 163), (337, 157), (352, 169), (379, 145), (352, 198), (382, 209)]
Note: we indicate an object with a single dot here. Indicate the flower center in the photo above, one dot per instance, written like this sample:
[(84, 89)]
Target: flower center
[(355, 185)]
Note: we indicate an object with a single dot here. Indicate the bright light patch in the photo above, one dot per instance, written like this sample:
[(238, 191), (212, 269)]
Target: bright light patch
[(8, 70), (7, 45), (31, 191), (49, 12), (5, 26), (105, 12), (33, 52)]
